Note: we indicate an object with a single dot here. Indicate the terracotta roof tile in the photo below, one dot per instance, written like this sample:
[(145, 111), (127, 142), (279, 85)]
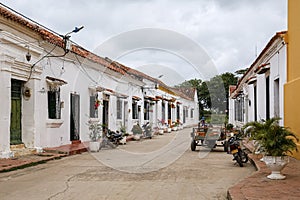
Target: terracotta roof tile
[(56, 39)]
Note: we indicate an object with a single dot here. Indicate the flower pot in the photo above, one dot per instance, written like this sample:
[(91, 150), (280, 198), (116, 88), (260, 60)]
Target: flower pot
[(160, 131), (276, 164), (169, 130), (174, 128), (137, 137), (123, 141), (94, 146)]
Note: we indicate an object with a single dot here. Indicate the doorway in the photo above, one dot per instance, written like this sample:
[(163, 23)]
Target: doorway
[(105, 115), (75, 117)]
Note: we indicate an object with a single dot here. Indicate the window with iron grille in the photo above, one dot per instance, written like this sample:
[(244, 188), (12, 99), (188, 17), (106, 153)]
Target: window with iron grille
[(119, 108), (54, 109), (93, 107), (134, 110), (192, 113), (146, 110)]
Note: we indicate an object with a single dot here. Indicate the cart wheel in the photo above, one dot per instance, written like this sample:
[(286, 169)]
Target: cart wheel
[(193, 145), (225, 146)]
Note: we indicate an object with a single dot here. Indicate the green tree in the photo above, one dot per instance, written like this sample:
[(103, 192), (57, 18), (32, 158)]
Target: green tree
[(212, 94)]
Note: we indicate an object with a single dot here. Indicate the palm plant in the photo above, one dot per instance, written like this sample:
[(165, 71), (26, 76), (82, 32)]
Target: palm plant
[(275, 139)]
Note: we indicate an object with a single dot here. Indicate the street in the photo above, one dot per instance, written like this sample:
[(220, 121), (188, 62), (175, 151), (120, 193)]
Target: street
[(160, 168)]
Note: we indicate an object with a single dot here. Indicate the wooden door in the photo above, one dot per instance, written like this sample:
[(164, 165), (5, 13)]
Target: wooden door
[(16, 112)]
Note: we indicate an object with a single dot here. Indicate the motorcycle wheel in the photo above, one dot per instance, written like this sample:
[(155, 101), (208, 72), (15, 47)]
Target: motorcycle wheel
[(193, 145), (244, 157), (238, 160)]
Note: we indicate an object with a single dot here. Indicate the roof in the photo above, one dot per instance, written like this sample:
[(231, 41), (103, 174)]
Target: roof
[(278, 35), (56, 39)]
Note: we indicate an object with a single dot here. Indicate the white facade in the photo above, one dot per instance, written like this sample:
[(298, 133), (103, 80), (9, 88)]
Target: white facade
[(57, 92), (259, 93)]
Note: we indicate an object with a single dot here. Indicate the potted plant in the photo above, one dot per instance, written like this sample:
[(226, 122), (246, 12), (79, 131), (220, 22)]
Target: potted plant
[(174, 126), (137, 131), (95, 128), (124, 134), (277, 142)]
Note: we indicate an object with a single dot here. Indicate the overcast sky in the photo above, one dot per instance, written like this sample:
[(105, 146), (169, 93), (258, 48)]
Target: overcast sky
[(229, 32)]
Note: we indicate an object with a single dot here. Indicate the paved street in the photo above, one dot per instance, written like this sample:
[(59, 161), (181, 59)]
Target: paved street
[(160, 168)]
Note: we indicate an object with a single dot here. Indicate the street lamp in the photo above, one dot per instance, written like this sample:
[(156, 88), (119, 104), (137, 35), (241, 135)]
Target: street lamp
[(66, 38)]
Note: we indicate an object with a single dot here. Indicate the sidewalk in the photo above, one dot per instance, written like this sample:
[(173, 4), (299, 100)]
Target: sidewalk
[(258, 186), (10, 164), (49, 154)]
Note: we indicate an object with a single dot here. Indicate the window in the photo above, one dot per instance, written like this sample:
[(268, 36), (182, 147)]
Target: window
[(239, 109), (146, 110), (187, 113), (119, 108), (192, 113), (54, 104), (134, 110), (94, 103)]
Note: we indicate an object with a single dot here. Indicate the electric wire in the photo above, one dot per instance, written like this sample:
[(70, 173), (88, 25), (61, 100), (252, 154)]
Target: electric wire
[(32, 66)]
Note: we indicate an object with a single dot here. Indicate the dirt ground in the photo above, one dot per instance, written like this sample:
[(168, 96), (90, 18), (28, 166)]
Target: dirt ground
[(161, 168)]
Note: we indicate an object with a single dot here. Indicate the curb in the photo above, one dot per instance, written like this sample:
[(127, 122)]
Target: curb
[(28, 163)]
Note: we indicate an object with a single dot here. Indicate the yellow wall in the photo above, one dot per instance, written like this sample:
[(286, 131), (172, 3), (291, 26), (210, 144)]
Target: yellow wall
[(292, 87)]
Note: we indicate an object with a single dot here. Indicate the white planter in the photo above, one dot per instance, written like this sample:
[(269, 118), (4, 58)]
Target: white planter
[(123, 141), (94, 146), (276, 164), (169, 130), (137, 137), (160, 131), (174, 128)]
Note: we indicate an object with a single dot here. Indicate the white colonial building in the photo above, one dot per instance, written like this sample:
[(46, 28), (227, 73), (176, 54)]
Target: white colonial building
[(51, 87), (259, 93)]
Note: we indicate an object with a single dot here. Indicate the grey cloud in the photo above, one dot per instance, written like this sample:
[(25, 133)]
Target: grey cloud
[(229, 30)]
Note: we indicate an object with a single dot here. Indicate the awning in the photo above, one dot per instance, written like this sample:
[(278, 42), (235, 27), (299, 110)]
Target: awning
[(136, 98), (150, 98), (119, 95), (251, 80), (104, 90), (55, 81), (263, 68), (158, 97)]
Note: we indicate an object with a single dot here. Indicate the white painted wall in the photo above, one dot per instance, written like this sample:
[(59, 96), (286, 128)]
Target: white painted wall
[(277, 61), (38, 131)]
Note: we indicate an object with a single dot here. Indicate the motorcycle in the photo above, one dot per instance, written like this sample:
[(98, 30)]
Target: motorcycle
[(147, 130), (114, 137), (239, 155)]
